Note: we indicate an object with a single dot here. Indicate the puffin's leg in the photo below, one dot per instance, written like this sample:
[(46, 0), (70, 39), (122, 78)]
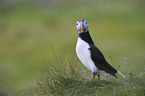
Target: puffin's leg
[(93, 76), (98, 76)]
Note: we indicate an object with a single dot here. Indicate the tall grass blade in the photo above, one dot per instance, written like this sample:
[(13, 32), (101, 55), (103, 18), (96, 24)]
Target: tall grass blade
[(121, 74)]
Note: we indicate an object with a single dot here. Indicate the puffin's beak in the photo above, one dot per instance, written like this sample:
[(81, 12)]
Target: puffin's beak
[(82, 27)]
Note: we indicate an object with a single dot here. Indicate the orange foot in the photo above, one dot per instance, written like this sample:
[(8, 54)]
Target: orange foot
[(98, 76)]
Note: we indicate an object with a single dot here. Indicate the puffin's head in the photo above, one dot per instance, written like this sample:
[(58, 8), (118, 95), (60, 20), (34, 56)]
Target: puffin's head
[(82, 26)]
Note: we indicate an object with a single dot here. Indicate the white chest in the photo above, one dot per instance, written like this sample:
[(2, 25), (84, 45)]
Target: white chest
[(83, 53)]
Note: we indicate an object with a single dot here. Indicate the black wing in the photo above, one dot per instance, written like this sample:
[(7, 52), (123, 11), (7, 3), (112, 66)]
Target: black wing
[(100, 61)]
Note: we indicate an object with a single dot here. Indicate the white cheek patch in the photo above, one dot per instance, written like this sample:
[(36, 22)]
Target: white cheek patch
[(78, 26)]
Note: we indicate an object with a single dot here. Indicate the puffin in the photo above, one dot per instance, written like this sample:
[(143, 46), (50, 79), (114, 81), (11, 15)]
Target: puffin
[(89, 54)]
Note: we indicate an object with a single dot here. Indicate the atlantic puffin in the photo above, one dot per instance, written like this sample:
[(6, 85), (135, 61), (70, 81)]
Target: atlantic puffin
[(89, 54)]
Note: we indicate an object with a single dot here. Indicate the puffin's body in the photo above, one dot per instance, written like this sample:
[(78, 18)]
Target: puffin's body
[(89, 54)]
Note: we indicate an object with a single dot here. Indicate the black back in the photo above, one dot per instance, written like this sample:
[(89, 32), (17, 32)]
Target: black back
[(96, 55), (86, 37)]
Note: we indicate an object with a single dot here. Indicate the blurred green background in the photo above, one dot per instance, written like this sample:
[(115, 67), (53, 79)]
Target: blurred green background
[(30, 30)]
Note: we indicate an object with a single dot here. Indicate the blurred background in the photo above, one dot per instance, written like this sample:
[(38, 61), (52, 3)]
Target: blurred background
[(31, 31)]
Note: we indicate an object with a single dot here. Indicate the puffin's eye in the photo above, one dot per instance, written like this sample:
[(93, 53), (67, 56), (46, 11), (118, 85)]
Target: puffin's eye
[(77, 24)]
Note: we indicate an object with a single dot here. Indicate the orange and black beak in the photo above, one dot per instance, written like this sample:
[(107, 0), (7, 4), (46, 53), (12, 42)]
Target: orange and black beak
[(82, 27)]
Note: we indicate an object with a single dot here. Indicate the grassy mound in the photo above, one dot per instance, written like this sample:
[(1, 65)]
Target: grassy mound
[(69, 79)]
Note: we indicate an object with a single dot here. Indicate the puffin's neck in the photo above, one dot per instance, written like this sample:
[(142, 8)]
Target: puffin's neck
[(86, 37)]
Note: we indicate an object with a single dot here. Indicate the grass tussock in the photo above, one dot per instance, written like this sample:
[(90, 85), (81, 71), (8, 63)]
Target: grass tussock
[(71, 79)]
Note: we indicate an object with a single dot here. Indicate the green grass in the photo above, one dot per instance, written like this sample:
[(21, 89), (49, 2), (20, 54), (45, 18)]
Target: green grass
[(71, 79)]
